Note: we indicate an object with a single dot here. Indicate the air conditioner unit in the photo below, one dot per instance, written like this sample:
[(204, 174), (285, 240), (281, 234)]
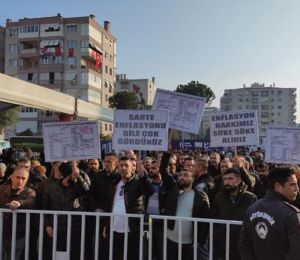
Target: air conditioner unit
[(73, 66), (73, 82)]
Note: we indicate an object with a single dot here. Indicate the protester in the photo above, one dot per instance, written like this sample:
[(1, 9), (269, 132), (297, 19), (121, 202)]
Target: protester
[(134, 188), (203, 180), (214, 164), (184, 201), (271, 228), (63, 195), (15, 196), (3, 177), (100, 200), (262, 171), (230, 204), (154, 205), (189, 163)]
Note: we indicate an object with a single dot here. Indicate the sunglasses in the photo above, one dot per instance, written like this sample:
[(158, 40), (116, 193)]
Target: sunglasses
[(171, 164)]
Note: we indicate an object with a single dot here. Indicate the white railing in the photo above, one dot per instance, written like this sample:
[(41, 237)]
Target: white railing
[(98, 218)]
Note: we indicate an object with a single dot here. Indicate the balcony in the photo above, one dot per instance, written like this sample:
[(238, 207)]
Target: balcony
[(55, 67), (28, 53), (53, 84)]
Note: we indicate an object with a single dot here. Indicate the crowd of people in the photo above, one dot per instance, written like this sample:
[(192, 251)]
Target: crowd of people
[(175, 183)]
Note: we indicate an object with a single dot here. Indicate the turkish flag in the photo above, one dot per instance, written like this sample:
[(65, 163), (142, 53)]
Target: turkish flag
[(98, 60), (57, 51), (71, 52)]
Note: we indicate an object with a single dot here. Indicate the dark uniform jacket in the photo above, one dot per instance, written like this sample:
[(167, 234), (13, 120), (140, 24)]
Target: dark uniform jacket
[(201, 206), (271, 230)]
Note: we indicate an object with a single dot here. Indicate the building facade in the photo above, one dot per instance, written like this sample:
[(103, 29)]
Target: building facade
[(144, 88), (275, 106), (2, 48), (75, 56)]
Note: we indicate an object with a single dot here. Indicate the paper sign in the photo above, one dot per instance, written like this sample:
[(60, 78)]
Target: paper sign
[(75, 140), (185, 111), (282, 145), (140, 130), (234, 128)]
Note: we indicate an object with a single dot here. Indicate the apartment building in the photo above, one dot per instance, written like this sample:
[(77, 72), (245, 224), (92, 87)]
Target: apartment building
[(144, 88), (275, 106), (2, 48), (73, 55)]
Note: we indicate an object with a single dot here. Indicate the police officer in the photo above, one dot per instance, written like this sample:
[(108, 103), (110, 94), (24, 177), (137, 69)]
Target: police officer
[(271, 229)]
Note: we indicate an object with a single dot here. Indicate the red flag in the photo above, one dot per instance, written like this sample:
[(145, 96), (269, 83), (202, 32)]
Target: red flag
[(98, 60), (57, 51), (71, 52)]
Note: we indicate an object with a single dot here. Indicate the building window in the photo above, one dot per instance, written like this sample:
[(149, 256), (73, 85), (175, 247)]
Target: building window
[(51, 78), (264, 114), (106, 97), (105, 84), (264, 107), (279, 93), (13, 32), (110, 127), (278, 114), (254, 107), (84, 43), (29, 29), (110, 71), (110, 88), (106, 69), (13, 47), (13, 63), (105, 127), (279, 107), (71, 44), (254, 93), (71, 28), (264, 93), (29, 76), (72, 61)]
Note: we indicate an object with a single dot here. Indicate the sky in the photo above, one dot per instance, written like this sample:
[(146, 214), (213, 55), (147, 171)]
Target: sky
[(221, 43)]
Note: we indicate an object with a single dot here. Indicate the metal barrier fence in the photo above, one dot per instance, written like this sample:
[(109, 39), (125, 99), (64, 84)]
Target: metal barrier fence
[(100, 217)]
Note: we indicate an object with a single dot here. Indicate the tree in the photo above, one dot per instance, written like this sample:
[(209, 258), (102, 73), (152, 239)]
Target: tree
[(197, 89), (124, 100), (8, 117)]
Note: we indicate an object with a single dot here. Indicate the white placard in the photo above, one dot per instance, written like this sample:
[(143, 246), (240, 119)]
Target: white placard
[(75, 140), (234, 128), (282, 145), (140, 130), (185, 111)]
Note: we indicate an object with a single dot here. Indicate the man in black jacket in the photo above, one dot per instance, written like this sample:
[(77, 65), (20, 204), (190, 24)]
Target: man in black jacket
[(100, 200), (184, 201), (271, 229), (64, 195), (128, 197), (230, 204)]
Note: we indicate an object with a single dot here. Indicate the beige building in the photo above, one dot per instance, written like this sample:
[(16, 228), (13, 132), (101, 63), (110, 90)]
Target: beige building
[(144, 88), (73, 55), (2, 48), (275, 106)]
